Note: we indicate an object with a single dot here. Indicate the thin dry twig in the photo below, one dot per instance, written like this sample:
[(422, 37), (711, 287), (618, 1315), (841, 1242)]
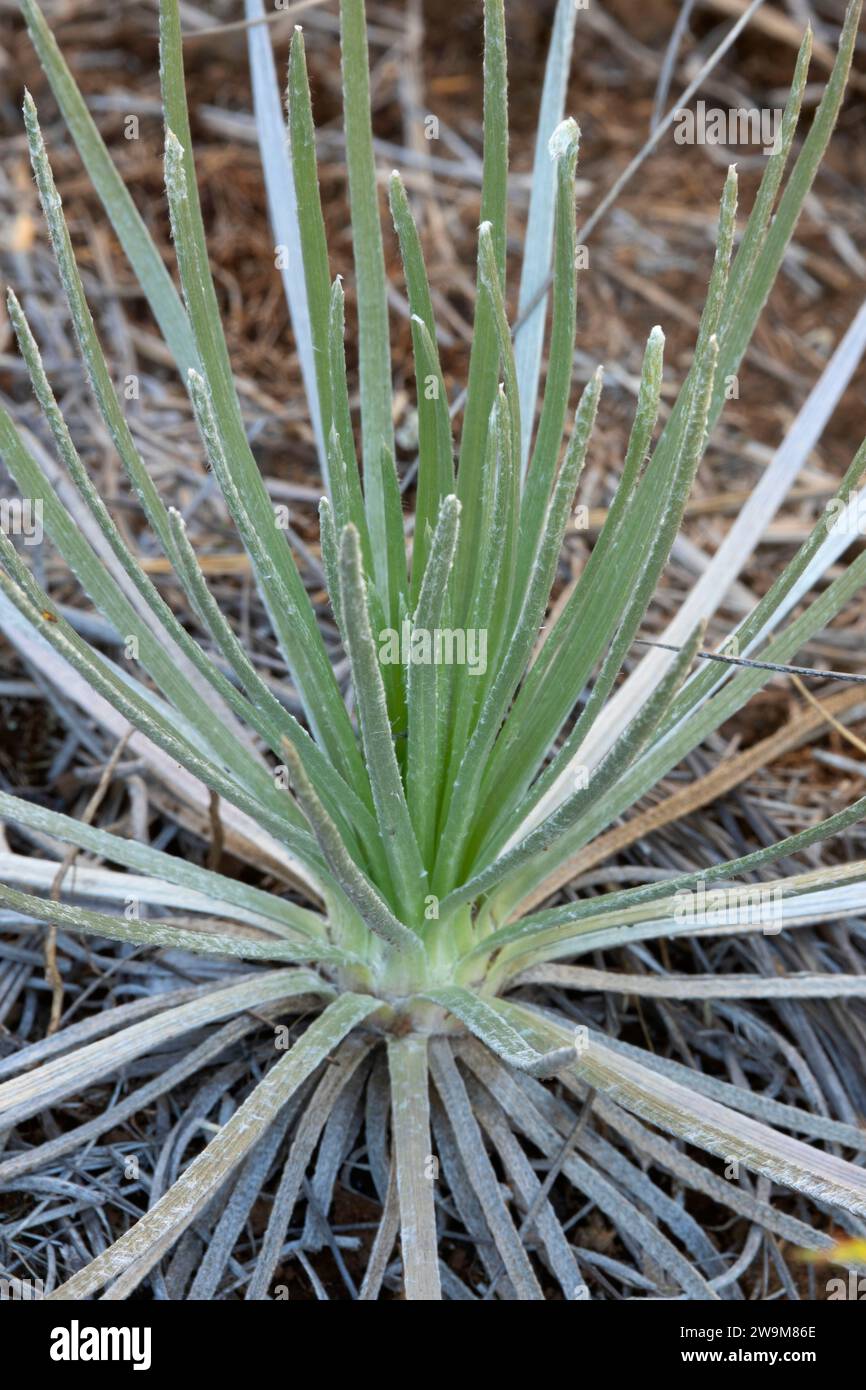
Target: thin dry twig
[(52, 973)]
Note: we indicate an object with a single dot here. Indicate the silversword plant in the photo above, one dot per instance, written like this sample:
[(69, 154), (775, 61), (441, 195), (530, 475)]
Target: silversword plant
[(427, 824)]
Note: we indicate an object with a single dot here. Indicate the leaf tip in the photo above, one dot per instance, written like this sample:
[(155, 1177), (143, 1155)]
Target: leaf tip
[(564, 143)]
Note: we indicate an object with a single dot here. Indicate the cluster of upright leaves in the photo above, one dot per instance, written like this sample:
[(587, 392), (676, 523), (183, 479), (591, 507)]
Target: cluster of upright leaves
[(431, 809), (454, 786)]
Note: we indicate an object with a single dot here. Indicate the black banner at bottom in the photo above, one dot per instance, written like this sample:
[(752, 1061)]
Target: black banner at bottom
[(61, 1339)]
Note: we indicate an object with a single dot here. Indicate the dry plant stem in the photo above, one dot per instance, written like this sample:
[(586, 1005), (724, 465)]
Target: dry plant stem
[(730, 773), (52, 974)]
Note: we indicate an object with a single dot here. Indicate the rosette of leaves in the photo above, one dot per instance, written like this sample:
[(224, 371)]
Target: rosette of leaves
[(424, 827)]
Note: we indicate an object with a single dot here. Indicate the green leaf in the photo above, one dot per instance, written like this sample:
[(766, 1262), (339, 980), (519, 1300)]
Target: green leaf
[(311, 224), (286, 598), (401, 846), (424, 688), (169, 868), (143, 256), (538, 843), (164, 934), (344, 803), (85, 332), (98, 583), (489, 278), (614, 605), (374, 352), (463, 689), (756, 274), (487, 1024), (357, 888), (350, 504), (475, 765), (145, 712), (435, 449), (483, 362)]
